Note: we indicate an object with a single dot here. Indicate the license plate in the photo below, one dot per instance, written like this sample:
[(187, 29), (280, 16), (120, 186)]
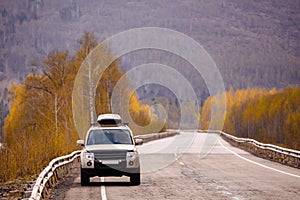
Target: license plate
[(110, 162)]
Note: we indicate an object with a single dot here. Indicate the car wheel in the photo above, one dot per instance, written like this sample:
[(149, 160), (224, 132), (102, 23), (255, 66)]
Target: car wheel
[(135, 179), (85, 179)]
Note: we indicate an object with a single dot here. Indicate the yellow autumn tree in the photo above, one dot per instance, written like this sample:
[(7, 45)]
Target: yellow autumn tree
[(267, 116), (40, 124)]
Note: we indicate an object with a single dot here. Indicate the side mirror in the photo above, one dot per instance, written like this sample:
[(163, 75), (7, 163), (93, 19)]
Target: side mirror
[(80, 143), (138, 141)]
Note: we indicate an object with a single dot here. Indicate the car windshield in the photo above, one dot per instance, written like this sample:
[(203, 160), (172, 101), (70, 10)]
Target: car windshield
[(109, 136)]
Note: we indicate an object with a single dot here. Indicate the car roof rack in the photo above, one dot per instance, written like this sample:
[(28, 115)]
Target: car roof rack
[(113, 125)]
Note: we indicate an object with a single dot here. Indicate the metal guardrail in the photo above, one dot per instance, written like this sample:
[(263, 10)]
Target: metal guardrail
[(272, 152), (156, 136), (49, 176), (271, 147)]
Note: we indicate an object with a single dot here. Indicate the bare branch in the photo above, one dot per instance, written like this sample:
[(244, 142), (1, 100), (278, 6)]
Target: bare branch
[(45, 89)]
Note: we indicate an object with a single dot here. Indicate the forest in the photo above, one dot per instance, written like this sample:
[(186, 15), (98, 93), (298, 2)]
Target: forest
[(40, 126), (40, 123), (269, 116)]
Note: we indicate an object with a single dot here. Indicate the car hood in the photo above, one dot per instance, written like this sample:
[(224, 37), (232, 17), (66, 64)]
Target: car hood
[(128, 147)]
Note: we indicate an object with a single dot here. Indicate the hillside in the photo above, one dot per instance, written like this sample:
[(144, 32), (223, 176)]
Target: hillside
[(255, 44)]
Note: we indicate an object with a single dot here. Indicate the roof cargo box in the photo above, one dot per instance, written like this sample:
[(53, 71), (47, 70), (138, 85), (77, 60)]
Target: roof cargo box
[(106, 119)]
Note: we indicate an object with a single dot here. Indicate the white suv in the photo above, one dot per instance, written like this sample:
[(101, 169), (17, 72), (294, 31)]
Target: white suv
[(109, 150)]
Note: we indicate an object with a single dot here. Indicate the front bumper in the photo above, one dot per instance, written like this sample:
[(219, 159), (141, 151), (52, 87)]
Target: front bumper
[(120, 169)]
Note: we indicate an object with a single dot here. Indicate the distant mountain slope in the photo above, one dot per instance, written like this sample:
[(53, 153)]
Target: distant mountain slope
[(254, 43)]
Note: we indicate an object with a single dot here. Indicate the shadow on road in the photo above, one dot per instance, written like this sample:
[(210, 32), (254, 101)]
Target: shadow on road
[(95, 184)]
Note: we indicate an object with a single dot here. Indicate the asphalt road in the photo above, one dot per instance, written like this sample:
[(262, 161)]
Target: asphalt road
[(192, 166)]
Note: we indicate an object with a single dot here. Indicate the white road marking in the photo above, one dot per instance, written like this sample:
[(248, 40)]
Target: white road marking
[(256, 163), (103, 192)]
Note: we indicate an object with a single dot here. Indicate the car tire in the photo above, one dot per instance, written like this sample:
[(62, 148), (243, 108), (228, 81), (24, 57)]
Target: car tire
[(135, 179), (85, 179)]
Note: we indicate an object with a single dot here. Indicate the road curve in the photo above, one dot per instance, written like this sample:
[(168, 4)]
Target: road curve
[(185, 167)]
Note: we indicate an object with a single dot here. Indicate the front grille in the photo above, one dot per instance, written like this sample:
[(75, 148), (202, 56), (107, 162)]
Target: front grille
[(110, 155), (121, 166)]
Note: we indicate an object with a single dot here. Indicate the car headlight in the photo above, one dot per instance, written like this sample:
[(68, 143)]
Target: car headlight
[(88, 156), (131, 155)]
